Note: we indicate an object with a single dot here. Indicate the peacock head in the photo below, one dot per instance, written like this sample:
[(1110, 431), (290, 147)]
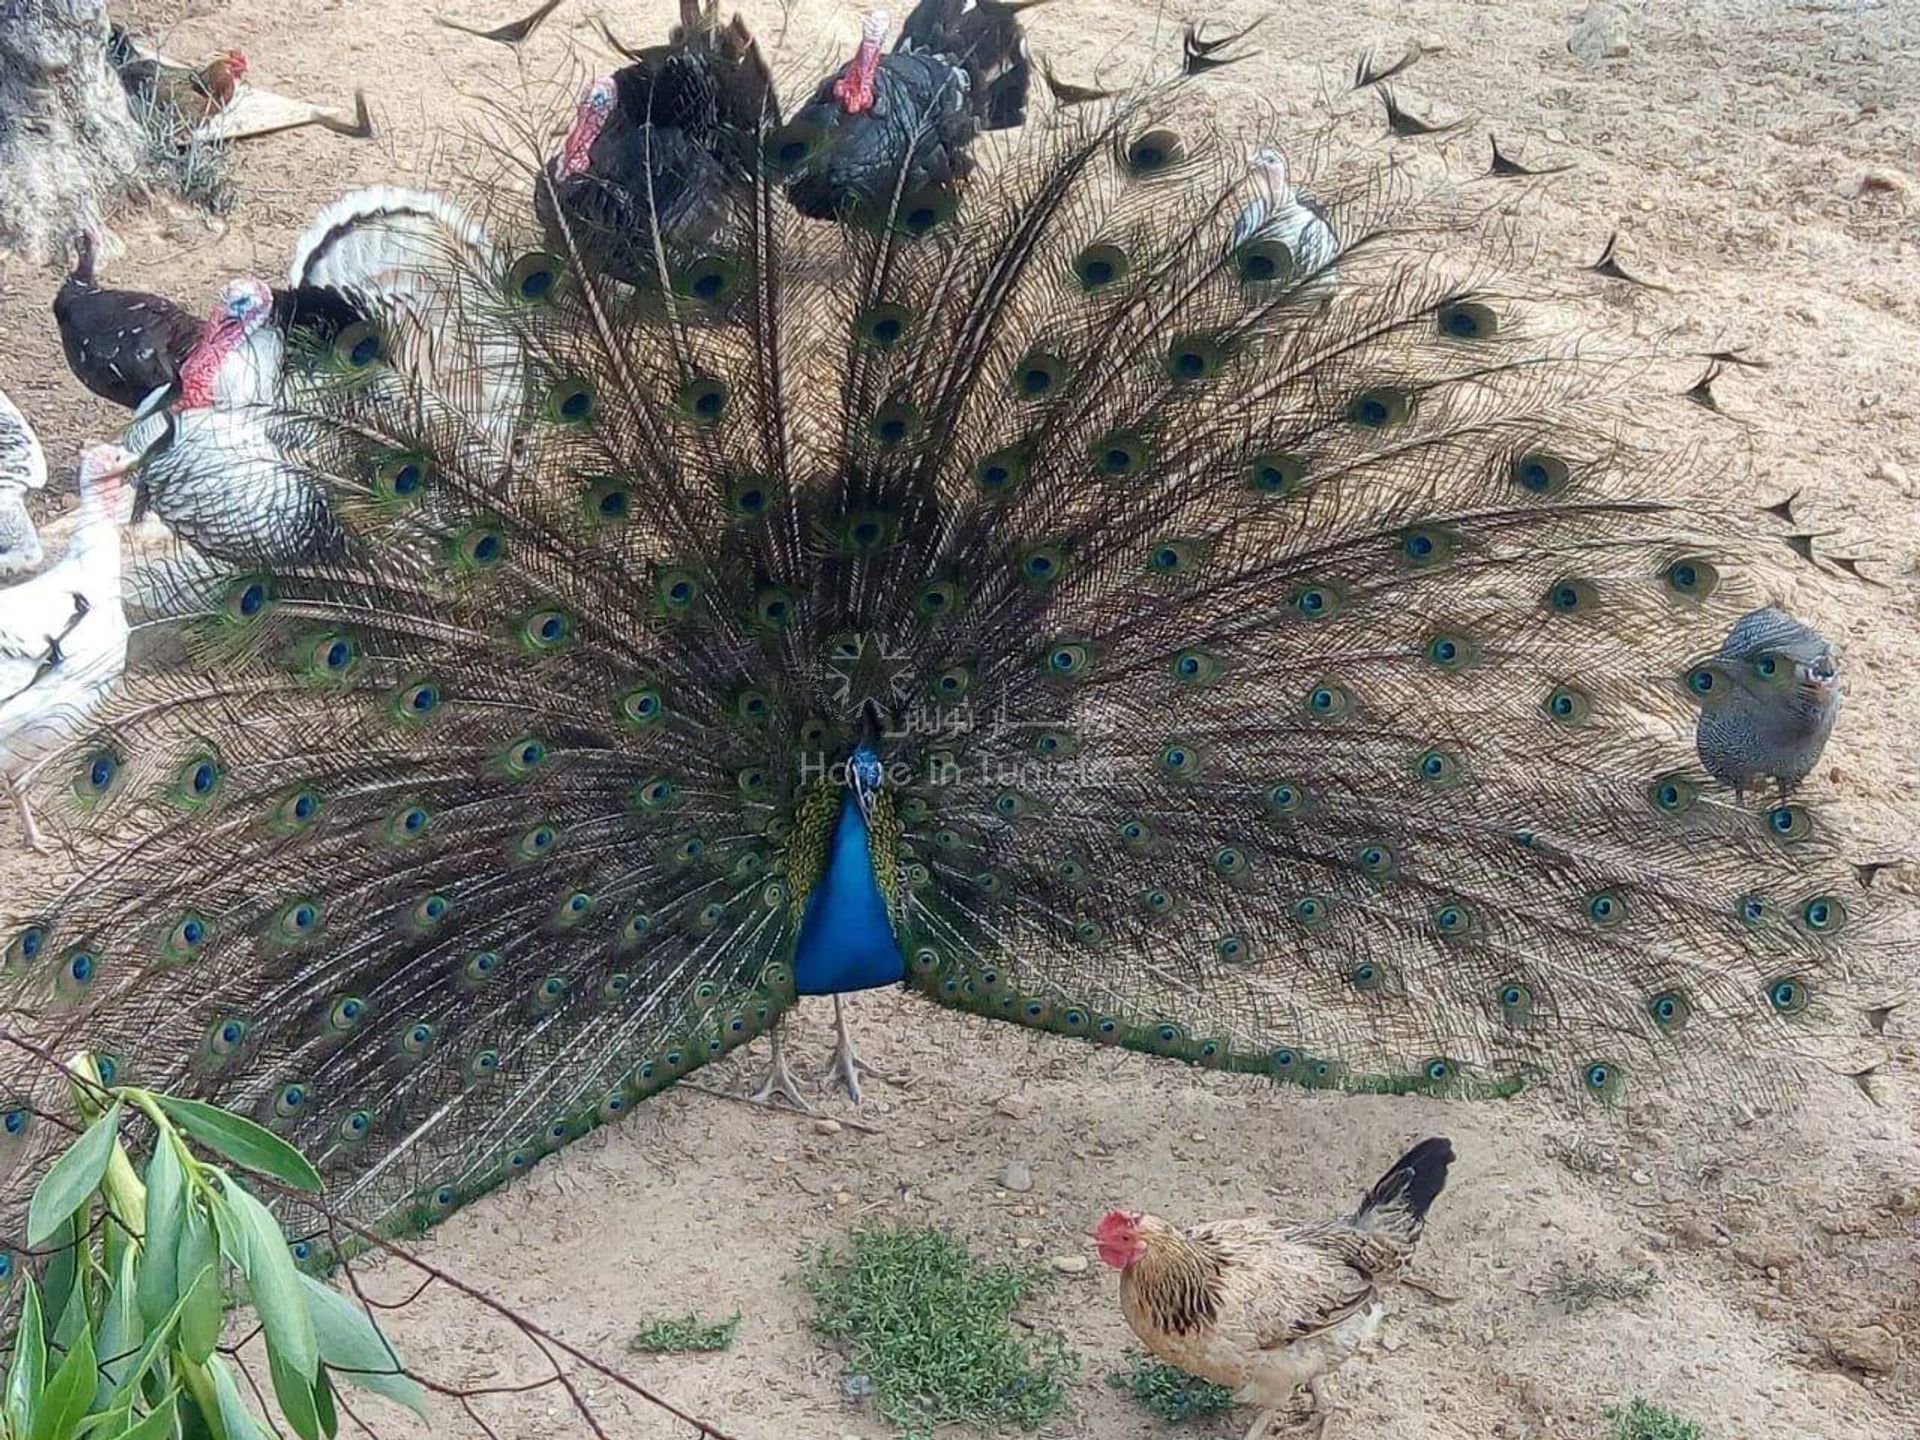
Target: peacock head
[(590, 117), (853, 90), (865, 775)]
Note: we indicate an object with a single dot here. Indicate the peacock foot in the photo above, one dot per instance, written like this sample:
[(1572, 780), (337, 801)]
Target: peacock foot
[(780, 1088), (847, 1067)]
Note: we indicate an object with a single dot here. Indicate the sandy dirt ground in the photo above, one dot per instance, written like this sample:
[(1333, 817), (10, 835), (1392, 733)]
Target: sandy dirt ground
[(1760, 159)]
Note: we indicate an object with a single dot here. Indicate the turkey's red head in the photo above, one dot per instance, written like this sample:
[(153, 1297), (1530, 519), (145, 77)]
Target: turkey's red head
[(102, 468), (853, 90), (244, 307), (1118, 1239), (589, 119)]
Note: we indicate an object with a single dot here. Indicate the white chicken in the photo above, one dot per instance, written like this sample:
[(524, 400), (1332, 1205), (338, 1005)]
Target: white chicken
[(63, 635), (22, 468)]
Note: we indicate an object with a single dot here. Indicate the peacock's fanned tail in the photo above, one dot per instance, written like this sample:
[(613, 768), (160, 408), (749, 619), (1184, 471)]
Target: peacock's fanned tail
[(1283, 683)]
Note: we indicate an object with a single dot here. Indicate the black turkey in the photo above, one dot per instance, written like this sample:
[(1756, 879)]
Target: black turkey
[(664, 149), (125, 344), (901, 124)]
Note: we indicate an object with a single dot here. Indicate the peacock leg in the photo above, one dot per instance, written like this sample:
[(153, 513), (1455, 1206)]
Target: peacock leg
[(35, 842), (780, 1088), (847, 1066)]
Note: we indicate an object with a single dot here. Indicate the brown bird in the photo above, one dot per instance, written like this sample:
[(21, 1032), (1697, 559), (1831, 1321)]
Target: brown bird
[(1265, 1308)]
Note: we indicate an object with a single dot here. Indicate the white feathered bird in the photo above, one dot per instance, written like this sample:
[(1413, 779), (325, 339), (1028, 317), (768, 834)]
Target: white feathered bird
[(23, 467), (1283, 212), (63, 634)]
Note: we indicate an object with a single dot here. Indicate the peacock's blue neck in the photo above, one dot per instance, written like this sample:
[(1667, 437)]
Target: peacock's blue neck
[(846, 940)]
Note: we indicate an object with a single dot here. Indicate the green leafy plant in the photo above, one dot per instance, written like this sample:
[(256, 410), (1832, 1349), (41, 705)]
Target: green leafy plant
[(933, 1327), (679, 1334), (1171, 1394), (1644, 1420), (120, 1337)]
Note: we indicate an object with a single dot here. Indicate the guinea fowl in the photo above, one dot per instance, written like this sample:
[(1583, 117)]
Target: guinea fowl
[(902, 124), (63, 636), (22, 468), (1768, 701), (125, 344), (663, 150)]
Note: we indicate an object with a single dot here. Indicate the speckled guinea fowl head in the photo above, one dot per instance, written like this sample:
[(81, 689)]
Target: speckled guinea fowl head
[(1772, 661)]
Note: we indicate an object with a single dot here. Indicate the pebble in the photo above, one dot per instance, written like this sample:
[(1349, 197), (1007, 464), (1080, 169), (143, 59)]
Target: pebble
[(826, 1127), (855, 1388), (1871, 1349), (1600, 34), (1016, 1107), (1556, 135), (1640, 1177), (1015, 1176), (1071, 1264)]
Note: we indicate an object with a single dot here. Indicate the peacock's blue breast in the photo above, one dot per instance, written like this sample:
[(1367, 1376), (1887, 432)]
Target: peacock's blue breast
[(846, 941)]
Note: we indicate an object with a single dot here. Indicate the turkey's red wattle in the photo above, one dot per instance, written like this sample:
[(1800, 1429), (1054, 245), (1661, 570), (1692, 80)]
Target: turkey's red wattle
[(201, 368), (854, 88)]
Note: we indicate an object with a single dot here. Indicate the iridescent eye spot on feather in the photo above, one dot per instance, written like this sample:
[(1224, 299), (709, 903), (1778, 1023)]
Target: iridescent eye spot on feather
[(1120, 454), (478, 549), (754, 708), (704, 399), (867, 531), (27, 945), (346, 1014), (297, 810), (1230, 862), (713, 280), (1451, 653), (249, 598), (537, 843), (408, 824), (1787, 995), (359, 346), (1275, 473), (1043, 565), (546, 630), (1001, 473), (1055, 744), (1155, 152), (1193, 358), (523, 757), (551, 990), (1568, 705), (1571, 597), (185, 938), (1428, 547), (415, 703), (1376, 860), (1673, 794), (1455, 920), (290, 1100), (535, 278), (1824, 915), (416, 1040), (653, 796), (331, 657), (481, 1066), (1516, 1004), (774, 608), (1317, 601), (1540, 474), (1180, 760), (1038, 374), (924, 211), (1790, 824), (1197, 667), (401, 479), (1264, 262), (1328, 700), (1175, 557), (1232, 950), (197, 783), (1437, 769), (570, 402), (1285, 797), (1312, 912), (1069, 659), (1467, 320), (953, 683), (574, 909), (1670, 1010), (1135, 833), (1752, 910), (792, 145), (894, 423), (478, 968), (1603, 1080), (296, 922), (354, 1127), (1606, 909), (643, 707), (883, 325), (1691, 579), (634, 931), (607, 502), (97, 774), (1099, 266), (939, 598), (430, 912), (749, 495), (224, 1039), (75, 972), (676, 590), (1378, 408)]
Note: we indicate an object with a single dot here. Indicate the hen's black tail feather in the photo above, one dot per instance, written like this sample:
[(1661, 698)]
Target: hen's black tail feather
[(1414, 1182)]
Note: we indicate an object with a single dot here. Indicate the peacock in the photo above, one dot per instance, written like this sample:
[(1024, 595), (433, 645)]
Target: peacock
[(1026, 591)]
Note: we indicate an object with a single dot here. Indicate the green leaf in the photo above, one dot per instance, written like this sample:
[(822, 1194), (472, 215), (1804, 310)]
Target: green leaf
[(323, 1402), (158, 1424), (198, 1278), (295, 1394), (243, 1142), (63, 1404), (73, 1178), (355, 1351), (274, 1281), (57, 1288), (234, 1416), (28, 1374), (121, 1331), (159, 1286)]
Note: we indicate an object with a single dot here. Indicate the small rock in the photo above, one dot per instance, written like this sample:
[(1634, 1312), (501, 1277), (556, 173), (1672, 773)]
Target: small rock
[(1870, 1349), (1016, 1107), (1433, 44), (826, 1127), (1015, 1176), (1693, 1233), (856, 1389), (1556, 134), (1600, 34), (1640, 1177), (1771, 1255), (842, 1197), (1070, 1264), (1881, 180)]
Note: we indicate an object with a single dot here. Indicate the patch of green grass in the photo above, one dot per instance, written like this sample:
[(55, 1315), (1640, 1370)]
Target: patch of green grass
[(933, 1327), (1171, 1394), (1644, 1420), (677, 1335)]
